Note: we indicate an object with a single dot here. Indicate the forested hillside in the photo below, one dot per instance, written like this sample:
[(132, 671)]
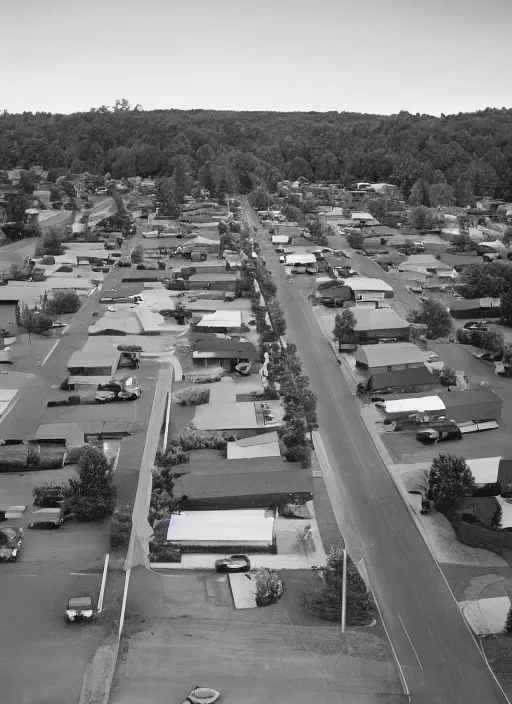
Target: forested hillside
[(237, 151)]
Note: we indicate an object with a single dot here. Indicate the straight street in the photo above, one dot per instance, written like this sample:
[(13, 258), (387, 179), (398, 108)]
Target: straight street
[(439, 657)]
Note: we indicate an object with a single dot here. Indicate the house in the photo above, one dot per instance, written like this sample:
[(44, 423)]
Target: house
[(383, 231), (241, 419), (298, 258), (419, 378), (93, 367), (220, 321), (135, 320), (248, 528), (280, 240), (363, 218), (460, 261), (368, 289), (210, 481), (470, 406), (476, 308), (375, 325), (266, 445), (223, 352), (217, 282), (427, 263), (393, 356)]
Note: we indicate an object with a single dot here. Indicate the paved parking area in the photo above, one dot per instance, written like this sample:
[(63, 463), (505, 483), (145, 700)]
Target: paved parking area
[(182, 630)]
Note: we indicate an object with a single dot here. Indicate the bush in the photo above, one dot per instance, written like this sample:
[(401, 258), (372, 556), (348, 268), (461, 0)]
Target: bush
[(33, 321), (435, 316), (91, 496), (448, 376), (63, 302), (355, 240), (193, 397), (164, 552), (269, 588), (191, 439), (48, 494), (120, 529), (326, 601), (74, 400)]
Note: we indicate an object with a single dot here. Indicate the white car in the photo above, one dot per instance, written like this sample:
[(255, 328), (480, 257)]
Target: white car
[(433, 357)]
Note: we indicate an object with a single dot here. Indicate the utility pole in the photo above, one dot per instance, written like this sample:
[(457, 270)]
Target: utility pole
[(344, 592)]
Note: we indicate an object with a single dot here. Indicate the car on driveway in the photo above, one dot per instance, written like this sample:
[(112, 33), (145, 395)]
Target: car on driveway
[(476, 325), (433, 357), (10, 543), (235, 563)]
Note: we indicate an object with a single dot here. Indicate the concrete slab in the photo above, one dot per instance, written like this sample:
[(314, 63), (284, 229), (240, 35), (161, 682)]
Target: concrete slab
[(486, 616), (243, 590)]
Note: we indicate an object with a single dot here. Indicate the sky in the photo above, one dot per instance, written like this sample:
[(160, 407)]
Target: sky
[(369, 56)]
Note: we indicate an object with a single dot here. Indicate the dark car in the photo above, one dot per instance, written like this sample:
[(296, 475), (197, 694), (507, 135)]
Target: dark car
[(235, 563), (432, 435), (10, 543), (475, 325)]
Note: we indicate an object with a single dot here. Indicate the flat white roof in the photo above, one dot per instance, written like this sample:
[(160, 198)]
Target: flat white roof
[(361, 216), (222, 319), (413, 405), (266, 445), (280, 239), (301, 258), (245, 526), (485, 469), (362, 283)]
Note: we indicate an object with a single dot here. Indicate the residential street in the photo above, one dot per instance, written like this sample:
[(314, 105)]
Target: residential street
[(439, 656)]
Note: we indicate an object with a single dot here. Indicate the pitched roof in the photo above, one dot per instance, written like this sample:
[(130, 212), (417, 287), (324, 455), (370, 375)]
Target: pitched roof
[(377, 319), (225, 349), (266, 445), (414, 376), (363, 283), (387, 354)]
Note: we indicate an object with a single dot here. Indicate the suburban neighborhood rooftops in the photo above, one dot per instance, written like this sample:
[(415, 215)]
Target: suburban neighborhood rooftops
[(100, 357), (266, 445), (392, 353), (413, 376), (287, 480), (473, 303), (361, 216), (245, 526), (238, 416), (414, 405), (377, 319), (202, 276), (362, 283), (222, 319), (225, 349)]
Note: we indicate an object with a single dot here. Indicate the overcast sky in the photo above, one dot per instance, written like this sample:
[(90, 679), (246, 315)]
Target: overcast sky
[(372, 56)]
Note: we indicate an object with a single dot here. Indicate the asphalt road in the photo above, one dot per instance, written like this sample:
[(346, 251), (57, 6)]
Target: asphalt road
[(440, 659)]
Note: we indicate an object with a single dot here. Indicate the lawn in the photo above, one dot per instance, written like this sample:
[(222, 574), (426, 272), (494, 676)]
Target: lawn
[(498, 650)]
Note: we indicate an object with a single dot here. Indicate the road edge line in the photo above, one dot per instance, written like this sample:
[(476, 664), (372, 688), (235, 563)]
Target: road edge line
[(99, 608)]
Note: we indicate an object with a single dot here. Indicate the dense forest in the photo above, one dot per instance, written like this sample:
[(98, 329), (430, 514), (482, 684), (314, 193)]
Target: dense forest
[(236, 151)]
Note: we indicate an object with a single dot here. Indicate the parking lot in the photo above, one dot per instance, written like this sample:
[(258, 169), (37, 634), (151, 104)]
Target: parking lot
[(182, 630)]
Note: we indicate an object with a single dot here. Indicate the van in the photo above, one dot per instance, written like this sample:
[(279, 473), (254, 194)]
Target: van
[(47, 518)]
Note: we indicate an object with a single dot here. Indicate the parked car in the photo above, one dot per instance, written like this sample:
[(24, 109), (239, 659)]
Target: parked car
[(202, 695), (431, 435), (105, 396), (433, 357), (476, 325), (235, 563), (79, 609), (49, 518), (10, 543)]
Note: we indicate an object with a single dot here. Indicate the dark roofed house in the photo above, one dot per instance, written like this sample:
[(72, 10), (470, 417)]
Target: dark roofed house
[(215, 351), (217, 282), (416, 378), (472, 405), (374, 324), (476, 308), (210, 481)]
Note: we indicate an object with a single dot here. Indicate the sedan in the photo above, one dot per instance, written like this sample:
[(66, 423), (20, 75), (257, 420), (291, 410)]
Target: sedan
[(10, 543), (105, 396), (475, 325), (235, 563)]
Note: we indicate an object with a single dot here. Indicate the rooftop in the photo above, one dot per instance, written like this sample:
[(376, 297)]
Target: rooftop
[(377, 319), (266, 445), (225, 349), (388, 354), (413, 376), (250, 525), (201, 276), (222, 319), (238, 416), (362, 283)]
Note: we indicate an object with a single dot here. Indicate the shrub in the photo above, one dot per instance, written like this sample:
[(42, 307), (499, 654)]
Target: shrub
[(171, 457), (191, 439), (448, 376), (326, 601), (355, 240), (193, 397), (48, 494), (164, 552), (93, 494), (33, 321), (74, 400), (120, 529), (33, 456), (449, 481), (269, 588), (508, 623), (435, 316), (63, 302)]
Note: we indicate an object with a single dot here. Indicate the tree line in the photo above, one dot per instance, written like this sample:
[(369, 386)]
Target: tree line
[(446, 159)]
